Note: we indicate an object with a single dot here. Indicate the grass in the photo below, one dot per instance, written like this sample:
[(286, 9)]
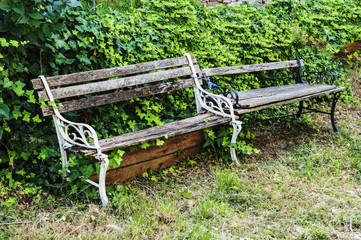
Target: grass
[(304, 184)]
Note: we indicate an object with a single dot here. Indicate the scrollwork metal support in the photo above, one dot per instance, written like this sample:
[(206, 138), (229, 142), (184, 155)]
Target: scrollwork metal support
[(306, 76), (217, 104), (78, 134)]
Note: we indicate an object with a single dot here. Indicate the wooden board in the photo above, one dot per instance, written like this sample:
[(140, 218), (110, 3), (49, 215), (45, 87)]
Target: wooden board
[(220, 71), (88, 76), (243, 111), (262, 92), (119, 96), (302, 90), (154, 157), (108, 85), (188, 125)]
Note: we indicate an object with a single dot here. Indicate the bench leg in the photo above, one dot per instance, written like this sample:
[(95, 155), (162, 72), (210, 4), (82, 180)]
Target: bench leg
[(300, 109), (103, 170), (237, 127), (336, 96)]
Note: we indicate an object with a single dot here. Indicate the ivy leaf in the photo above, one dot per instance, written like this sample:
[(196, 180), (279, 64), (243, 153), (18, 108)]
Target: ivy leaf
[(87, 171), (1, 135), (75, 3), (4, 111), (83, 59), (5, 7), (18, 10), (36, 15)]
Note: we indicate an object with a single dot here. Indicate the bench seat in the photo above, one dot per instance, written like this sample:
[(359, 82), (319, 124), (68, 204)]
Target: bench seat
[(198, 122), (262, 98)]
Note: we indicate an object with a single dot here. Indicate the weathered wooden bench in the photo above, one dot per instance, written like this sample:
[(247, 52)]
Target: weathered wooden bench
[(307, 85), (95, 88)]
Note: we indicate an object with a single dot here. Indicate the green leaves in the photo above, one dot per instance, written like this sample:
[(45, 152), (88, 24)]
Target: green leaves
[(4, 111)]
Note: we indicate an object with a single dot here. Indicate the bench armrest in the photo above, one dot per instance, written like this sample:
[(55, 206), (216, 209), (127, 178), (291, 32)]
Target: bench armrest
[(320, 77), (78, 134), (218, 104)]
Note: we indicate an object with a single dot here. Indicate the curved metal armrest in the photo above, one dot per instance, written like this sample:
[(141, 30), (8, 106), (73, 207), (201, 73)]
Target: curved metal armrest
[(310, 77), (77, 134), (216, 103), (227, 92)]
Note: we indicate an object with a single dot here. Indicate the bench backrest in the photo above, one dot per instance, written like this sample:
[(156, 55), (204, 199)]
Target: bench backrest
[(99, 87), (221, 71)]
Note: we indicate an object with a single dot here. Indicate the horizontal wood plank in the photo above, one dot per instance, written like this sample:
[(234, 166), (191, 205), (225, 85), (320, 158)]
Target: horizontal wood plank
[(88, 76), (170, 146), (248, 110), (108, 85), (138, 161), (188, 125), (267, 91), (221, 71), (303, 90), (124, 173), (119, 96)]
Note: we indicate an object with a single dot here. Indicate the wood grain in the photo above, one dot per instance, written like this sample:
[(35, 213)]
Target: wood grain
[(220, 71), (122, 174), (243, 111), (302, 90), (108, 85), (172, 151), (118, 96), (88, 76)]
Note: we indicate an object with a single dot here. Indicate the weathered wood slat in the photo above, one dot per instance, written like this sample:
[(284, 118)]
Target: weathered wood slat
[(282, 96), (76, 78), (173, 150), (220, 71), (248, 110), (261, 92), (188, 125), (108, 85), (119, 96), (171, 145), (122, 174)]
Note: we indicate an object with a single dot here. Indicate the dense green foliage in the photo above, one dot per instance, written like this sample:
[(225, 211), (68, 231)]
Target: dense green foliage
[(57, 37)]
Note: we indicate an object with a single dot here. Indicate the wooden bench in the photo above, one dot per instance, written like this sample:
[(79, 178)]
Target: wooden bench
[(96, 88)]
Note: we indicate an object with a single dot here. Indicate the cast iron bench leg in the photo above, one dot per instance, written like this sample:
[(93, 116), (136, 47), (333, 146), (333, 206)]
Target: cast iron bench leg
[(336, 96)]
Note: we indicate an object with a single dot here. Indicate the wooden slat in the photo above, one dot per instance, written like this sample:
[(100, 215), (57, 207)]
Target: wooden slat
[(220, 71), (75, 78), (119, 96), (285, 95), (122, 174), (261, 92), (248, 110), (172, 151), (108, 85), (188, 125)]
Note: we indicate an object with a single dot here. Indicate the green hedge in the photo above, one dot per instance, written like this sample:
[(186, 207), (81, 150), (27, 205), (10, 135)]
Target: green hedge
[(58, 37)]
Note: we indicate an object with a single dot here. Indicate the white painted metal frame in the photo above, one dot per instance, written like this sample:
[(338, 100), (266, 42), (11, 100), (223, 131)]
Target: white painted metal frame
[(220, 105), (78, 134)]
